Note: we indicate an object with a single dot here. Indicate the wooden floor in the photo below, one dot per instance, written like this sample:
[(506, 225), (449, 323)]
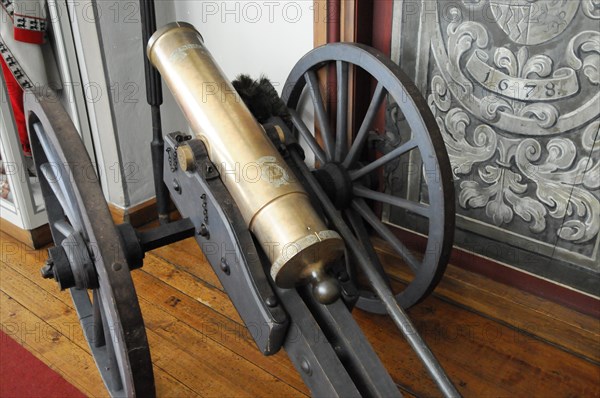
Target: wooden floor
[(494, 341)]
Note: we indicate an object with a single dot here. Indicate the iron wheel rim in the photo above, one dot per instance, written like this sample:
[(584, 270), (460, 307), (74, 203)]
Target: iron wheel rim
[(54, 140)]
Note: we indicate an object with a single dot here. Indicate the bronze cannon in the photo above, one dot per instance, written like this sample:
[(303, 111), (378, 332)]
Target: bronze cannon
[(289, 209)]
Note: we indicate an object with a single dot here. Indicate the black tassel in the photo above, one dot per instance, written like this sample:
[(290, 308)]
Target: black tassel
[(261, 98)]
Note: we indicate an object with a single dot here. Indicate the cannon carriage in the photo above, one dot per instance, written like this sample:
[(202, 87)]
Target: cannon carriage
[(293, 231)]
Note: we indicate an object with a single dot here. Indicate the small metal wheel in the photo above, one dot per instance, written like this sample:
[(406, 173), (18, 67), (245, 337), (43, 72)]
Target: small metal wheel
[(354, 183), (88, 257)]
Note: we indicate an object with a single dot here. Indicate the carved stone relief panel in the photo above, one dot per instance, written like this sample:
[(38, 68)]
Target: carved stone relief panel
[(515, 88)]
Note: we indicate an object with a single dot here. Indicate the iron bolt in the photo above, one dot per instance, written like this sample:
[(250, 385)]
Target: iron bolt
[(47, 270), (176, 186), (225, 266), (305, 366), (203, 231), (271, 301)]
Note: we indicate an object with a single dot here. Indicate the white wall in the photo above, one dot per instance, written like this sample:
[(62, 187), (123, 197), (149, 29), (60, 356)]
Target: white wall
[(255, 38), (122, 57), (252, 37), (262, 37)]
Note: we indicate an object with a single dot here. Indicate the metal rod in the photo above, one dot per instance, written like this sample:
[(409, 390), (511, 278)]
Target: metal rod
[(383, 291), (155, 99), (157, 148)]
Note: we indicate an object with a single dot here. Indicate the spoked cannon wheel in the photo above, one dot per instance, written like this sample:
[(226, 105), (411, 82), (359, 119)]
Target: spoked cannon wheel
[(88, 256), (349, 180)]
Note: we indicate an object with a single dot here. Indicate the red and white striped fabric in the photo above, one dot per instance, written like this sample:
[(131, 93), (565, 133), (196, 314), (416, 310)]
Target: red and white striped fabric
[(29, 19), (22, 31)]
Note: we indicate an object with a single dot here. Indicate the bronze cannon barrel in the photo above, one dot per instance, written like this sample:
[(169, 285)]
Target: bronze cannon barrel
[(275, 206)]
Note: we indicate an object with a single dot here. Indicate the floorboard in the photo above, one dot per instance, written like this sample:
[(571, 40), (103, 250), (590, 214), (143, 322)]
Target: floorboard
[(493, 340)]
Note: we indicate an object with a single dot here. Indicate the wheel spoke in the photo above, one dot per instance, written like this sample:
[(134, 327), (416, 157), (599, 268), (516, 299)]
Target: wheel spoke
[(388, 157), (111, 367), (58, 182), (361, 207), (307, 135), (409, 205), (361, 136), (313, 86), (52, 179), (364, 239), (64, 228), (99, 339), (342, 111)]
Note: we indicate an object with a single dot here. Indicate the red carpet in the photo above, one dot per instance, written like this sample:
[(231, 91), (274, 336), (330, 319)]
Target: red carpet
[(22, 375)]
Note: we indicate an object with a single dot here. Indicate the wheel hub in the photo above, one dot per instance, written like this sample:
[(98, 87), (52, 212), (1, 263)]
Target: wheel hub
[(70, 265), (337, 184)]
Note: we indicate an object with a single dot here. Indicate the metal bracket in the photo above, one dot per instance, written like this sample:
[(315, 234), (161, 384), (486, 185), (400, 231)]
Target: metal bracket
[(227, 244)]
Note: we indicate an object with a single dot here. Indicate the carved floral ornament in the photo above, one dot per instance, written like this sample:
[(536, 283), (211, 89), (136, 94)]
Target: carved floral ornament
[(521, 128)]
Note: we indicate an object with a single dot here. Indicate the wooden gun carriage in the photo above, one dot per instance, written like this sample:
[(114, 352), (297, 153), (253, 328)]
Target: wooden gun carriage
[(291, 215)]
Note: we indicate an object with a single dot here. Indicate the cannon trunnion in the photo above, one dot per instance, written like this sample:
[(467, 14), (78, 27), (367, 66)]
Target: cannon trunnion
[(283, 219)]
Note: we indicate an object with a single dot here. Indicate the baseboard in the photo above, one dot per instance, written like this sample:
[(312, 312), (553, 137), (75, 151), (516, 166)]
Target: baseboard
[(508, 275), (528, 282), (555, 323), (34, 238), (137, 215)]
